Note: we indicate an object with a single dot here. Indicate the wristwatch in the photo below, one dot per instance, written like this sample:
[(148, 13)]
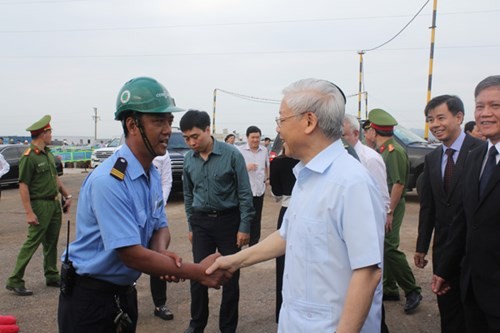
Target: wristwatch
[(389, 211), (69, 196)]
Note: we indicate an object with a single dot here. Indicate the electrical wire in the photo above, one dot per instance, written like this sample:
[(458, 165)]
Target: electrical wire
[(400, 31), (250, 98)]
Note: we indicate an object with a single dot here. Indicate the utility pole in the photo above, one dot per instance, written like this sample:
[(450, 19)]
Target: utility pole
[(96, 118), (431, 64), (213, 113), (360, 90)]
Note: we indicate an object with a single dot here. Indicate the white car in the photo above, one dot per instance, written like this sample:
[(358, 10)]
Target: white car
[(99, 155)]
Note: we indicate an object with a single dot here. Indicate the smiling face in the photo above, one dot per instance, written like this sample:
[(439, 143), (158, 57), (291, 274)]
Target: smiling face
[(487, 113), (444, 125)]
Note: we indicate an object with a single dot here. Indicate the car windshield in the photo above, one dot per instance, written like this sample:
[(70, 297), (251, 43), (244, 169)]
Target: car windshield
[(407, 136), (115, 143), (176, 141)]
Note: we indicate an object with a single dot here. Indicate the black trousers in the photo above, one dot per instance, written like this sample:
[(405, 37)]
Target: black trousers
[(451, 309), (476, 319), (258, 203), (211, 234), (88, 310), (158, 290), (280, 268)]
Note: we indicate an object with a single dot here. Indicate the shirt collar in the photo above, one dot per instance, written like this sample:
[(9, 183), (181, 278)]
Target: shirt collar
[(457, 144), (134, 167), (322, 160), (247, 147)]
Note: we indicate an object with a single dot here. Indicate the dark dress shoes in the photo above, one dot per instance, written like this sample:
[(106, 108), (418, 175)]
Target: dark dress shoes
[(21, 291), (56, 284), (412, 301)]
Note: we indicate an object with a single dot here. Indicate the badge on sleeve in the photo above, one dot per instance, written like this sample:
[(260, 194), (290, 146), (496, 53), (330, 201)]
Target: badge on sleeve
[(391, 147), (119, 168)]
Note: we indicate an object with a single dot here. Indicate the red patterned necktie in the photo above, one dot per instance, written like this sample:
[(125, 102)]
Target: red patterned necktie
[(448, 169)]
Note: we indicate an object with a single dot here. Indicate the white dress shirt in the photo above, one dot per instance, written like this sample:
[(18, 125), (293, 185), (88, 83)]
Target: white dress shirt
[(257, 177), (164, 166)]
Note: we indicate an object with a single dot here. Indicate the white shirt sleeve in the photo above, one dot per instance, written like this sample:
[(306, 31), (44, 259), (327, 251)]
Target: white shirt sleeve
[(4, 166), (164, 166)]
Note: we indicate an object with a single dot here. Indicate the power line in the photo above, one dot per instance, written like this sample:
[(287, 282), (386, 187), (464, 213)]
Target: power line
[(204, 25), (400, 31), (251, 98), (234, 53)]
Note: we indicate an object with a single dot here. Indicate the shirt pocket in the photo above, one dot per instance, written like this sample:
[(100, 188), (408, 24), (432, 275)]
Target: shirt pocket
[(308, 317), (312, 239), (42, 168), (223, 183)]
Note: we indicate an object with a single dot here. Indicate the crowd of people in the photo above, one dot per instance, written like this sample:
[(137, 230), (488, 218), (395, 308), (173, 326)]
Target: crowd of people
[(342, 187)]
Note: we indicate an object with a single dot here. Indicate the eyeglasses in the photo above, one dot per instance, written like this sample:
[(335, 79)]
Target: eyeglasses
[(279, 120)]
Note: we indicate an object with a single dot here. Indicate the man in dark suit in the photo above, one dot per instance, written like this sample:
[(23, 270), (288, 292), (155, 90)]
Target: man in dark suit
[(440, 196), (474, 235)]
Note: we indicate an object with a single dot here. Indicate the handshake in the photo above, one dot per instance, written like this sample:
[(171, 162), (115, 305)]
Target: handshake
[(207, 272)]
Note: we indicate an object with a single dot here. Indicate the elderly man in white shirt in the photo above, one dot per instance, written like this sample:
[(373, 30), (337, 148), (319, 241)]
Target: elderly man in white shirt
[(257, 160), (333, 230)]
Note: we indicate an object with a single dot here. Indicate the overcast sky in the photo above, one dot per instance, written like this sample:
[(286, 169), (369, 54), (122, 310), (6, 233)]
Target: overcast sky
[(66, 57)]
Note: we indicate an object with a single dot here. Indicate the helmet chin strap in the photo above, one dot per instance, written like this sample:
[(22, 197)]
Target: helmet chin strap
[(148, 145)]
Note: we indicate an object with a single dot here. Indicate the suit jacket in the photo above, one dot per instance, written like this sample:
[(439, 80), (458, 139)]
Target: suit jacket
[(476, 234), (437, 207)]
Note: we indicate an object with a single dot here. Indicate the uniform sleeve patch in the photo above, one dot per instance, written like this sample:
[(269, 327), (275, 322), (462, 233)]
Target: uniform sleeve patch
[(27, 152), (119, 168)]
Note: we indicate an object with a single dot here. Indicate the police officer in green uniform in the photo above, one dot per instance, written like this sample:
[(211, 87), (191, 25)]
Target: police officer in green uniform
[(39, 187), (397, 272)]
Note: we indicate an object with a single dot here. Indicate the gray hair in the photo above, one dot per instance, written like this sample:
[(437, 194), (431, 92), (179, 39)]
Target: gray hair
[(320, 97), (352, 121), (490, 81)]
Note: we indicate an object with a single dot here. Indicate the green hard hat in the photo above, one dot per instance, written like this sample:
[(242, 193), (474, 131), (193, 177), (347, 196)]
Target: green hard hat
[(381, 118), (144, 95)]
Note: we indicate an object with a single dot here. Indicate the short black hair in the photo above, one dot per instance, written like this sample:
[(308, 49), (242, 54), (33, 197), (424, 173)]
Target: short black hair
[(454, 104), (469, 127), (384, 133), (228, 136), (253, 129), (194, 118), (267, 138)]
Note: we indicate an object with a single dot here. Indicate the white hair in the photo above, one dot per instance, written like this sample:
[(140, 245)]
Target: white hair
[(320, 97), (352, 121)]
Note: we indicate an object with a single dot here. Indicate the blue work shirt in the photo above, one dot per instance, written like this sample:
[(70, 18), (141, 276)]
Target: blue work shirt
[(334, 225), (114, 213)]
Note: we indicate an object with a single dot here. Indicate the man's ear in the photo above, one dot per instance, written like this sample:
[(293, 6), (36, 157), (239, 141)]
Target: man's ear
[(131, 124), (312, 122)]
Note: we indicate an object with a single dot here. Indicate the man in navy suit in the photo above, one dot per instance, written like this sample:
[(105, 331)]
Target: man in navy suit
[(440, 195), (474, 239)]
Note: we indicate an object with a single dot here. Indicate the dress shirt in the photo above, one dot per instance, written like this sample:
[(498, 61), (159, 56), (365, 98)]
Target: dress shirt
[(497, 146), (164, 166), (114, 213), (456, 145), (334, 225), (257, 177), (375, 165), (4, 166), (218, 183)]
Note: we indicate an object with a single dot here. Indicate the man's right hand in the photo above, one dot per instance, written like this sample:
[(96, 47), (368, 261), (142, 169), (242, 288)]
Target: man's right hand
[(419, 259), (216, 278), (190, 237), (31, 218), (439, 285), (242, 239)]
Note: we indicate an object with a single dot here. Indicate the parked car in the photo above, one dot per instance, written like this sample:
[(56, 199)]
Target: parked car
[(177, 148), (100, 154), (416, 147), (12, 154)]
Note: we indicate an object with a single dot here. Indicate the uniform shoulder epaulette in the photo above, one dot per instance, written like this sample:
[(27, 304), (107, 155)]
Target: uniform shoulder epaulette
[(119, 168), (27, 152), (381, 149), (390, 147)]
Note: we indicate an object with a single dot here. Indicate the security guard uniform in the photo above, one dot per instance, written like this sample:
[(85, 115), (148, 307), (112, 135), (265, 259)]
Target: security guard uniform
[(37, 169), (396, 268)]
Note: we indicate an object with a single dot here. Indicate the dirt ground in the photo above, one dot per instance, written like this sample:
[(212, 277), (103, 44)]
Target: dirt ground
[(38, 313)]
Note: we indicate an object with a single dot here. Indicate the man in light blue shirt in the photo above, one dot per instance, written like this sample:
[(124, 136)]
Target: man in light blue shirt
[(121, 227), (333, 229)]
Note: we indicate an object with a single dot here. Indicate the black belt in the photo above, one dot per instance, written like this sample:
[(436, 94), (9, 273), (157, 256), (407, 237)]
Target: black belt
[(215, 213), (47, 198), (101, 285)]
